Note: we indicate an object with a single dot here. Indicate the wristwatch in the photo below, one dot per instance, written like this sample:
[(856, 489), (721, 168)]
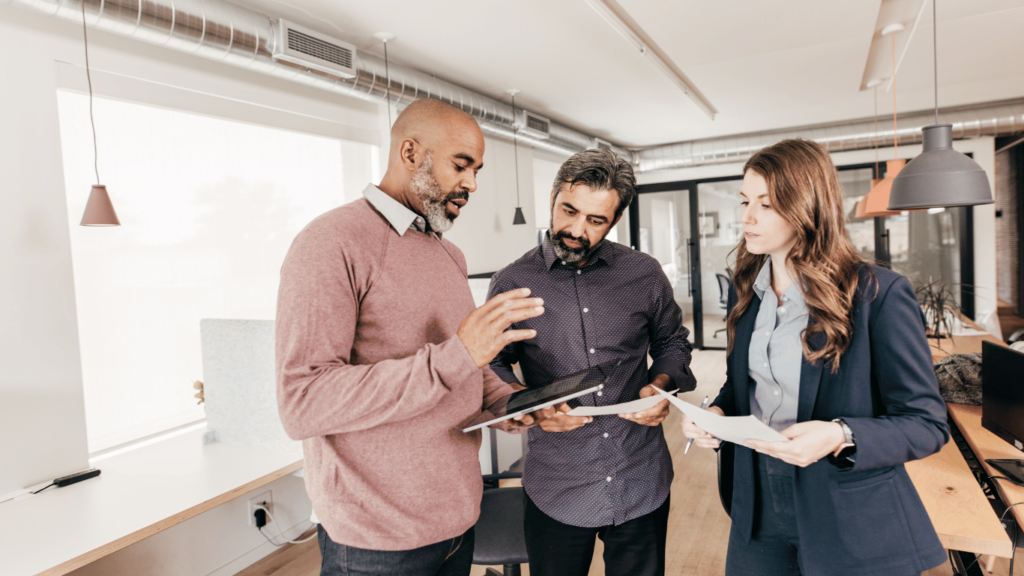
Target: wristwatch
[(845, 456)]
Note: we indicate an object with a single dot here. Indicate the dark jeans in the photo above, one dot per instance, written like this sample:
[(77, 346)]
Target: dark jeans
[(774, 546), (634, 548), (448, 558)]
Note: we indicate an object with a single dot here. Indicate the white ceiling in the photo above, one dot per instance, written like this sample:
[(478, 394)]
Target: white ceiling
[(764, 65)]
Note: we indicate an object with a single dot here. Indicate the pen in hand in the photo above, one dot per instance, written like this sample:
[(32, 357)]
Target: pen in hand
[(689, 442)]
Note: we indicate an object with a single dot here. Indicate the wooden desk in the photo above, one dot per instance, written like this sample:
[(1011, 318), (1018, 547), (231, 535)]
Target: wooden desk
[(139, 494), (959, 510), (961, 344), (987, 445)]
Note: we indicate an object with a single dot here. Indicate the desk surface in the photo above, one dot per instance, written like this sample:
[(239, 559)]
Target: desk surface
[(958, 509), (987, 445), (943, 347), (138, 494)]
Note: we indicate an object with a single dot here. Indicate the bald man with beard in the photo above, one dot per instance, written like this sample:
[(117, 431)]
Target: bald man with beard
[(382, 359)]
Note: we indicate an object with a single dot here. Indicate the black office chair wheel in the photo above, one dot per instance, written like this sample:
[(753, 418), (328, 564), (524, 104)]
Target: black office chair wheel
[(499, 532)]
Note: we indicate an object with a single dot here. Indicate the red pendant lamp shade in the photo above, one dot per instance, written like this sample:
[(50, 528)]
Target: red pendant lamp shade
[(99, 211)]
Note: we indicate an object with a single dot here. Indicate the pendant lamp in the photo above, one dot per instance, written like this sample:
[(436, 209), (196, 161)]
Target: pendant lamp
[(940, 176), (519, 218), (99, 210), (875, 204)]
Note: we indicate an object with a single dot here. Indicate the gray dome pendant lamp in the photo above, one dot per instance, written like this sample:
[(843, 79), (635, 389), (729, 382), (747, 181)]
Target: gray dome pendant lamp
[(519, 219), (939, 176)]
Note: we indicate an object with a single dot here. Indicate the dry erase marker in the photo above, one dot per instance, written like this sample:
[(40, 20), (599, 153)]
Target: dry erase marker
[(703, 405)]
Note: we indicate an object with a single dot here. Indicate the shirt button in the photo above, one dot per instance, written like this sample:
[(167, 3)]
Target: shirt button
[(599, 393), (605, 434), (591, 350), (563, 262), (768, 333), (776, 392), (608, 479), (585, 310), (579, 271), (782, 310), (765, 420)]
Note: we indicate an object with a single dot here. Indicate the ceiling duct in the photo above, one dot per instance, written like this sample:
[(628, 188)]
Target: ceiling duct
[(991, 119), (220, 31)]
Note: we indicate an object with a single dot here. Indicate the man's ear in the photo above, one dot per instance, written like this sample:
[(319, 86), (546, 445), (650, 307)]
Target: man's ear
[(410, 153), (553, 194)]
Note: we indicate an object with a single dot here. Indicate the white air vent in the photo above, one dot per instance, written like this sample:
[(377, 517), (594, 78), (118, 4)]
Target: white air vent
[(310, 49), (601, 144), (535, 126)]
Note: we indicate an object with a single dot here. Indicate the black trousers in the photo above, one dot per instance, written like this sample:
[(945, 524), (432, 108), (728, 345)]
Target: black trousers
[(634, 548)]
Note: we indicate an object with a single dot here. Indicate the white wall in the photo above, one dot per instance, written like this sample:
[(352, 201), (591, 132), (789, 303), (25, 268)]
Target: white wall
[(983, 150)]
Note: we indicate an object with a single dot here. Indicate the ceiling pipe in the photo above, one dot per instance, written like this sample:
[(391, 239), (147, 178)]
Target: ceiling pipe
[(223, 32), (991, 119)]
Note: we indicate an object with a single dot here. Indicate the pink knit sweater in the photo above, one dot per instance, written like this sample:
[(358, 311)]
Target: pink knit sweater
[(373, 379)]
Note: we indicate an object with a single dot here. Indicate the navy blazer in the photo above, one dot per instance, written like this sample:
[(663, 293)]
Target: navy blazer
[(867, 519)]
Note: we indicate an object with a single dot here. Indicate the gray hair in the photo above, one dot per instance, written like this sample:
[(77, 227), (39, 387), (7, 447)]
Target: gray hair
[(601, 170)]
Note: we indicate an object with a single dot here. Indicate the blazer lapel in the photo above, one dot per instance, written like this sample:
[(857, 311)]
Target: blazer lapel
[(810, 379), (741, 356)]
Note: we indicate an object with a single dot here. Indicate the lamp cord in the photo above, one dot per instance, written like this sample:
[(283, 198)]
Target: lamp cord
[(935, 56), (88, 75), (515, 147), (895, 131), (876, 131), (387, 76)]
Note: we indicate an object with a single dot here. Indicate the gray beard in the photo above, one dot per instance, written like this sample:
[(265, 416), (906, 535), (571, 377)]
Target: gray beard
[(567, 254), (433, 199)]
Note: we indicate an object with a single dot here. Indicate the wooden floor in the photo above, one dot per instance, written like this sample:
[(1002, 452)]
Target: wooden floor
[(698, 529)]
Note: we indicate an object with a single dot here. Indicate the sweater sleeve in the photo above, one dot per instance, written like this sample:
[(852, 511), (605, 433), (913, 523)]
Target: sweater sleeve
[(319, 391)]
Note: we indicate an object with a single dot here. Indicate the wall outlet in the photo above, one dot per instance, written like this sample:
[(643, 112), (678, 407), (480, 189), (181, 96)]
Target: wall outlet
[(266, 500)]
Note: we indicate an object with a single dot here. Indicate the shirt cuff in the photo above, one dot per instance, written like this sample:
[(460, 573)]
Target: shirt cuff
[(682, 379)]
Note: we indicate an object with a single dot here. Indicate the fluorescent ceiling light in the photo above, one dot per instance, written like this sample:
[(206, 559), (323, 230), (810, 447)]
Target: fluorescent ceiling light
[(616, 16)]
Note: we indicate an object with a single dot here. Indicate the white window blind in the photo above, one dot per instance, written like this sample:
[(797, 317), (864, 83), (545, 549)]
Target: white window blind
[(208, 209)]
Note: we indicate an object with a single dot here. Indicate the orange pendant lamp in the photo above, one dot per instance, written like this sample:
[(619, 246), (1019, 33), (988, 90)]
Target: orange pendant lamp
[(876, 203)]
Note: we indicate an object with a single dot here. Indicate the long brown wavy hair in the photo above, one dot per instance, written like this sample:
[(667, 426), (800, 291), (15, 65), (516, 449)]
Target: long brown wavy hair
[(803, 188)]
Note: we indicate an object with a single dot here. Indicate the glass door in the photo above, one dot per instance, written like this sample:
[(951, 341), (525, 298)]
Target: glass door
[(664, 232), (719, 228)]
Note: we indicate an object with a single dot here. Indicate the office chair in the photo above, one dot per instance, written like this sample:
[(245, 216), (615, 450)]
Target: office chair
[(500, 539), (724, 284)]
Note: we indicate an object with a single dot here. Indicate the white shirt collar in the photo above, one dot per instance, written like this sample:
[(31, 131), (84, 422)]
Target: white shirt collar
[(400, 217)]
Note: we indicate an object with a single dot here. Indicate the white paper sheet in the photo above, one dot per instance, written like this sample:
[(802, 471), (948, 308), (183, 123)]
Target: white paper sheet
[(735, 429), (623, 408)]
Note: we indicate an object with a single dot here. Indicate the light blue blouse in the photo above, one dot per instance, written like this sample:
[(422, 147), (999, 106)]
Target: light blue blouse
[(776, 351)]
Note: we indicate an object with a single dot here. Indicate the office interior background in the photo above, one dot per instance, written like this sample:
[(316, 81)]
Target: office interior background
[(216, 153)]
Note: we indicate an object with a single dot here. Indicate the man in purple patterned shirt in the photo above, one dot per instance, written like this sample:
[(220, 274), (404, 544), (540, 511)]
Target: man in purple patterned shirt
[(603, 476)]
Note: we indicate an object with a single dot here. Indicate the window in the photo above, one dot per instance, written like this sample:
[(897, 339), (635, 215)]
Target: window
[(208, 209)]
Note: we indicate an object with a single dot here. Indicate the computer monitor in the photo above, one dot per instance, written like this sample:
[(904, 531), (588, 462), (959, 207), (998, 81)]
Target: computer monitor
[(1002, 392)]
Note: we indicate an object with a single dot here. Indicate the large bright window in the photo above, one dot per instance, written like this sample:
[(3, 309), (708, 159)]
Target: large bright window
[(208, 209)]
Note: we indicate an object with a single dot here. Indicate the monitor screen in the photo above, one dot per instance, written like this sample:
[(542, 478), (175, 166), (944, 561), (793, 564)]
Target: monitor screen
[(1002, 392)]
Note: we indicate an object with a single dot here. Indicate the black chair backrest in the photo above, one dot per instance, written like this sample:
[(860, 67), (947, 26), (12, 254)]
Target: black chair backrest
[(724, 283)]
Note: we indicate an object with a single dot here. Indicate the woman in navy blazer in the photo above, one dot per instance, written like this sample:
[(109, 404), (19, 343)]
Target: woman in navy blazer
[(835, 499)]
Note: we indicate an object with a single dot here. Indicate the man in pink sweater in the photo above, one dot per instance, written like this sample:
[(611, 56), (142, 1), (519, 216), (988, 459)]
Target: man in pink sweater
[(382, 359)]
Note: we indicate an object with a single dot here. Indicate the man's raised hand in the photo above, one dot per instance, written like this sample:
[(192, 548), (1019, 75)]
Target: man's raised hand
[(484, 333)]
